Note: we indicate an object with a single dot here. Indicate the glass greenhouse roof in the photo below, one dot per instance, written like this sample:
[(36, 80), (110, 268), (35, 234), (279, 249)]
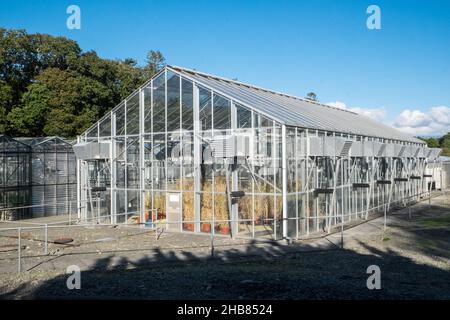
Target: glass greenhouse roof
[(47, 144), (8, 144), (294, 111)]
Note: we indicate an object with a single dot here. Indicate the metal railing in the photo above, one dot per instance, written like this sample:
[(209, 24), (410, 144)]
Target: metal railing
[(156, 225)]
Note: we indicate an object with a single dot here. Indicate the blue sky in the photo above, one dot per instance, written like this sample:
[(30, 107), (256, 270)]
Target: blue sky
[(399, 74)]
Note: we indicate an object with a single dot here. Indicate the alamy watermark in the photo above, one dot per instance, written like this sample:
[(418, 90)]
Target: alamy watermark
[(73, 22), (374, 19), (74, 280), (374, 280)]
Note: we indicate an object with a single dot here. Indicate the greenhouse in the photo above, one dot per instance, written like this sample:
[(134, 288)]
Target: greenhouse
[(37, 177), (193, 152), (15, 177)]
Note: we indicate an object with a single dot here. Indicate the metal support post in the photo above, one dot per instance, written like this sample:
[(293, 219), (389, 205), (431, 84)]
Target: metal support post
[(46, 238), (409, 207), (19, 250), (212, 241)]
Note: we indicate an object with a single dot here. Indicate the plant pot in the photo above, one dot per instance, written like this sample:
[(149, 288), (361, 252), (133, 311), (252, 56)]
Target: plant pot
[(188, 226), (224, 229), (205, 227)]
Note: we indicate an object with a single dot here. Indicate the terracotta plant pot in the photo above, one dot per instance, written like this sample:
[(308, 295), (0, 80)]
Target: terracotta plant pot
[(224, 229), (188, 226), (206, 227)]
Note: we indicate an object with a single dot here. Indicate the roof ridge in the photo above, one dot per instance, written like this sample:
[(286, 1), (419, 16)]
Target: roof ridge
[(204, 74)]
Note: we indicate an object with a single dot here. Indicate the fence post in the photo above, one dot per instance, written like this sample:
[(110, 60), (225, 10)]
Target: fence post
[(19, 250), (409, 208), (385, 209), (46, 239), (212, 240)]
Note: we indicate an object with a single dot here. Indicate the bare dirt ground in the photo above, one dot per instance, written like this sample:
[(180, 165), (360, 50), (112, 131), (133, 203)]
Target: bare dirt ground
[(130, 263)]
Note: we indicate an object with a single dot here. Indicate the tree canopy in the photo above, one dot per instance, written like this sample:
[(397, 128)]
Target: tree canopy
[(442, 142), (49, 86), (311, 96)]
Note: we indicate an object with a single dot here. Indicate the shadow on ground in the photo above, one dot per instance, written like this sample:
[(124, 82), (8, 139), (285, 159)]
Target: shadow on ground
[(269, 272), (332, 274)]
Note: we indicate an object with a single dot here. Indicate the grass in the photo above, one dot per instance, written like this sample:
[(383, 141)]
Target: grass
[(437, 222)]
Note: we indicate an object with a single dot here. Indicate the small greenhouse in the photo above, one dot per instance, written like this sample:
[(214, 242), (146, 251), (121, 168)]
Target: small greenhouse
[(37, 177), (198, 153), (15, 177)]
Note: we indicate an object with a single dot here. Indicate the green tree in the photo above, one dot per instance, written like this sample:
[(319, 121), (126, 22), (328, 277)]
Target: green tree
[(444, 141), (155, 62), (311, 96), (24, 56), (6, 96), (30, 118), (53, 103), (48, 86), (431, 142)]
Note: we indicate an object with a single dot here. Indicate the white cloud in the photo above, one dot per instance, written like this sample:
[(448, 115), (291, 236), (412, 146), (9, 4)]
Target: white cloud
[(441, 114), (378, 114), (413, 119), (433, 122)]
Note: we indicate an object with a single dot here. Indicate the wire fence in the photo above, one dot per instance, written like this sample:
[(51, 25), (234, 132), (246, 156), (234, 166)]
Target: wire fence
[(160, 226)]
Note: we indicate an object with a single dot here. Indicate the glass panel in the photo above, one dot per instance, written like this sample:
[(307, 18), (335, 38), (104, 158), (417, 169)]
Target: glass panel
[(159, 110), (244, 117), (105, 127), (148, 149), (133, 114), (174, 162), (187, 105), (206, 197), (173, 102), (120, 206), (205, 109), (133, 202), (263, 207), (120, 162), (132, 163), (188, 162), (188, 211), (222, 113), (261, 121), (120, 120), (159, 205), (93, 132), (158, 162), (148, 108)]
